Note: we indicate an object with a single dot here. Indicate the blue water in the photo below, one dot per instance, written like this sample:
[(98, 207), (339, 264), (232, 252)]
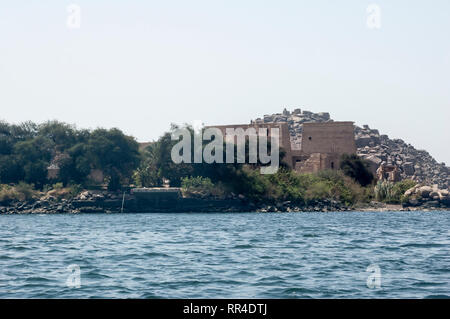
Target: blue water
[(290, 255)]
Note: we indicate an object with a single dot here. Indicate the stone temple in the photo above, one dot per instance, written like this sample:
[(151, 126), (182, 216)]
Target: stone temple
[(321, 146)]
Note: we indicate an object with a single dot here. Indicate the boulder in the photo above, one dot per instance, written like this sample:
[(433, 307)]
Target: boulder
[(443, 193), (363, 140), (324, 115), (424, 191), (434, 194), (408, 168)]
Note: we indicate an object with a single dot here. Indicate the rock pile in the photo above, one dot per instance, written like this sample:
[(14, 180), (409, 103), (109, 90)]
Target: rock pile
[(295, 120), (92, 195), (85, 202), (326, 205), (39, 207), (414, 164), (428, 197)]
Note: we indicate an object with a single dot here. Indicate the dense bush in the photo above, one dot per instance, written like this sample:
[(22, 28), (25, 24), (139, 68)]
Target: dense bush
[(202, 186), (27, 149), (384, 191), (288, 185), (19, 192), (197, 182), (401, 187), (58, 192), (356, 168), (157, 164), (391, 193)]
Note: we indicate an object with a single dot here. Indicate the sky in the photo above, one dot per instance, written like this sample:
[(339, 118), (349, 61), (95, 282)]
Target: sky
[(141, 65)]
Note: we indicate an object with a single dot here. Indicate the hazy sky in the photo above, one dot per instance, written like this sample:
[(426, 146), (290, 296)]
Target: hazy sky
[(140, 65)]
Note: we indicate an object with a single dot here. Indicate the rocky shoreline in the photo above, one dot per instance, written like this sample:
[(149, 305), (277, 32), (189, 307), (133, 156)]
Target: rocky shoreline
[(104, 202)]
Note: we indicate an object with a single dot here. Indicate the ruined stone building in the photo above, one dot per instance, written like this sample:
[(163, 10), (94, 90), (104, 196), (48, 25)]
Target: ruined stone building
[(283, 140), (321, 147)]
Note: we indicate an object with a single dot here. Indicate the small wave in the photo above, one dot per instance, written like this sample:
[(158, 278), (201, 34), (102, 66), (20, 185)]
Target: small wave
[(358, 241), (437, 297), (440, 270), (227, 282), (4, 257), (271, 278), (290, 265), (298, 291), (149, 295), (390, 248), (155, 254), (37, 280), (95, 275), (243, 273), (20, 248), (428, 284), (417, 245), (245, 246)]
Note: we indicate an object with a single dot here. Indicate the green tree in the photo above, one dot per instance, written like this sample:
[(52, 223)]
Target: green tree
[(34, 156), (116, 154), (61, 134), (75, 167), (356, 168)]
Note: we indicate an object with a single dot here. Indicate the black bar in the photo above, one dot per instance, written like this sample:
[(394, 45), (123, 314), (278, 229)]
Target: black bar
[(222, 308)]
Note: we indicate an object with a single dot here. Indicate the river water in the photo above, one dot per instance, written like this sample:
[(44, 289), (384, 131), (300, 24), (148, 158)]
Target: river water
[(228, 255)]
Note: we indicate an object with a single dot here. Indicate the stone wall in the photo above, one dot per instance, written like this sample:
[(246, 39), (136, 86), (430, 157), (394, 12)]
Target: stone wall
[(329, 137), (321, 148), (316, 162), (284, 135)]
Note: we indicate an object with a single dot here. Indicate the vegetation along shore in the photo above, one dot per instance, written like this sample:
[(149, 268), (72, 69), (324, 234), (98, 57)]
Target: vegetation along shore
[(54, 167)]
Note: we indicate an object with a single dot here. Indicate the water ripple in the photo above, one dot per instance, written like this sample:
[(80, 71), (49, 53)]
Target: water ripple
[(297, 255)]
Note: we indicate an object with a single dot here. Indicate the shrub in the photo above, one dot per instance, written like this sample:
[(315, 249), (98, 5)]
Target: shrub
[(201, 186), (356, 168), (286, 185), (250, 183), (384, 191), (147, 175), (344, 188), (391, 193), (197, 182), (58, 185), (19, 192), (399, 190), (8, 194), (319, 190), (27, 191), (74, 190)]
